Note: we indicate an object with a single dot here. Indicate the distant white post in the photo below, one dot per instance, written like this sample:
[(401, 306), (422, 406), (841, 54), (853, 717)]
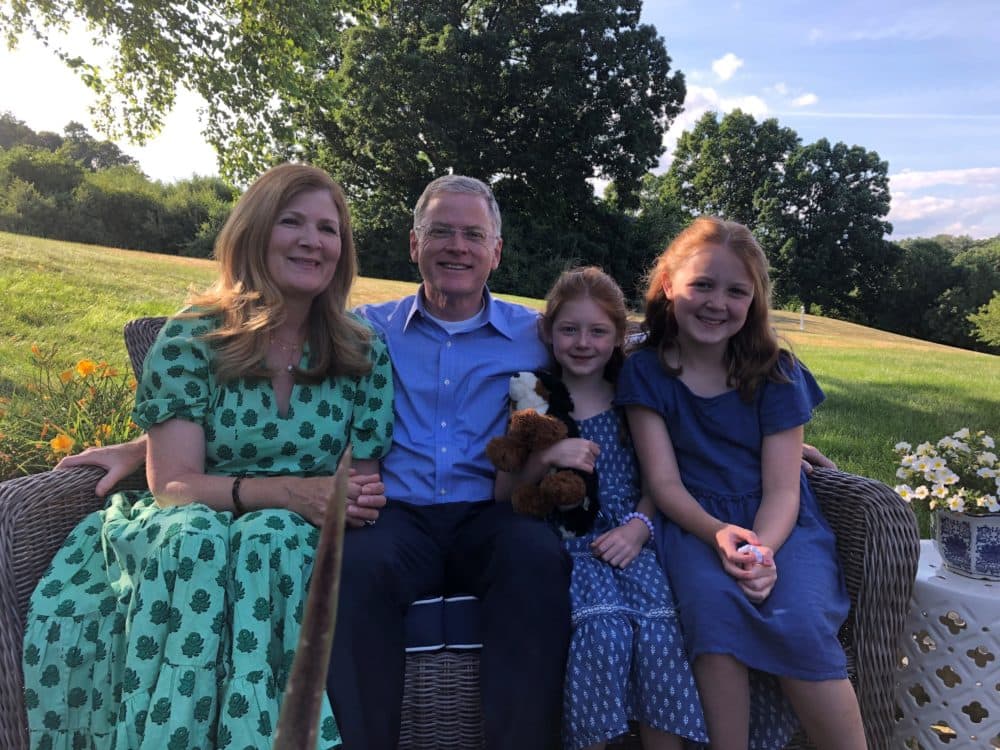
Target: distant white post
[(802, 317)]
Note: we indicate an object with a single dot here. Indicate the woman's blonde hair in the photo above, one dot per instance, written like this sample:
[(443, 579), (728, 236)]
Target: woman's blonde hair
[(589, 282), (753, 353), (249, 304)]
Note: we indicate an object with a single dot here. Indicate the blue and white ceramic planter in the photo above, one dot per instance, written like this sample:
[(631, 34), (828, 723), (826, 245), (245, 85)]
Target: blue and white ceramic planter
[(968, 545)]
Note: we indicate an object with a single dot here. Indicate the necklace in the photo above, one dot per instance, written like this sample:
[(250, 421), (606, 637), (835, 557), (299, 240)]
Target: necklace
[(293, 352)]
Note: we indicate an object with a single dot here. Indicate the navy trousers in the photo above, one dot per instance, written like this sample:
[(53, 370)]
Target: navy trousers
[(514, 564)]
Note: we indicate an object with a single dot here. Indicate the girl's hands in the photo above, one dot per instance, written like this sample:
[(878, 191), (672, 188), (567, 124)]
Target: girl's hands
[(619, 546), (739, 564), (572, 453)]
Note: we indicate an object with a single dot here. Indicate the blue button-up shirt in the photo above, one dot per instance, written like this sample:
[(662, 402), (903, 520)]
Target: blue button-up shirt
[(450, 396)]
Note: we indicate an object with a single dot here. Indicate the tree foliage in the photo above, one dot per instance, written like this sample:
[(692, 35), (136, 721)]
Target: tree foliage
[(987, 321)]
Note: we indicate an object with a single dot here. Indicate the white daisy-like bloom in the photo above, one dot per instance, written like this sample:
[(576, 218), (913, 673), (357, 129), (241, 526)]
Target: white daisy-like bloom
[(924, 448), (988, 442), (922, 464), (902, 473), (956, 503), (907, 460), (949, 477), (987, 473), (992, 504), (932, 504), (903, 447), (987, 458), (905, 492), (921, 492), (962, 434), (938, 491), (938, 463)]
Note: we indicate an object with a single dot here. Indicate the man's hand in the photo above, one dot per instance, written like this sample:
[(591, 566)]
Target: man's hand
[(119, 461), (812, 457)]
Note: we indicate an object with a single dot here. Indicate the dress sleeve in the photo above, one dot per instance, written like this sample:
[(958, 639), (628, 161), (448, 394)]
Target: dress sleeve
[(637, 382), (176, 378), (372, 423), (787, 405)]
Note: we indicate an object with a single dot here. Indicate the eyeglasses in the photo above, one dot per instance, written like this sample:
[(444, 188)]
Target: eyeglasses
[(475, 235)]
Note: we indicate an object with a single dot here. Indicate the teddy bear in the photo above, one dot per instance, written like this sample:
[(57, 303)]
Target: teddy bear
[(540, 417)]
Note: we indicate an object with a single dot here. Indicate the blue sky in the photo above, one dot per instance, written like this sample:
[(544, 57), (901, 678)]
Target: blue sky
[(918, 82)]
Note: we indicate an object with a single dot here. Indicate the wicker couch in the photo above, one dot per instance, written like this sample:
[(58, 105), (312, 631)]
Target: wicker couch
[(876, 536)]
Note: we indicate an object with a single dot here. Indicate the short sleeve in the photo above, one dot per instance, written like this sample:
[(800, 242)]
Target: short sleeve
[(372, 423), (787, 405), (176, 378), (640, 382)]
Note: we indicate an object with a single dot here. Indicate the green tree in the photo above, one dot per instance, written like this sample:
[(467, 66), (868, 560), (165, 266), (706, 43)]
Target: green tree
[(824, 216), (987, 322), (93, 154), (721, 167)]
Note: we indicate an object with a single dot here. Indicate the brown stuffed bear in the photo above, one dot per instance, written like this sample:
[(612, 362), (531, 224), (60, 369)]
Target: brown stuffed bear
[(540, 417)]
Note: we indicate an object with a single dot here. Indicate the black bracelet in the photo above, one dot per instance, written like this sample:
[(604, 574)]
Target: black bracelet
[(237, 503)]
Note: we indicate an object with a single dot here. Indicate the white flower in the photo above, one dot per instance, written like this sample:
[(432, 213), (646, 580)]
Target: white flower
[(905, 492), (988, 442), (957, 503), (922, 464), (903, 447), (924, 448), (939, 491), (921, 492), (987, 473), (904, 473), (962, 434), (989, 502), (949, 442), (907, 460), (948, 477), (938, 463), (987, 458)]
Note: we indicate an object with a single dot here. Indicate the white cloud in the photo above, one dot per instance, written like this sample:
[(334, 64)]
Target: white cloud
[(781, 88), (805, 100), (916, 180), (977, 216), (726, 66)]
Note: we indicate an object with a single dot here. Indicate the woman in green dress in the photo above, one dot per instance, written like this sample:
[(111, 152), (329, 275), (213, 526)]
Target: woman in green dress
[(169, 619)]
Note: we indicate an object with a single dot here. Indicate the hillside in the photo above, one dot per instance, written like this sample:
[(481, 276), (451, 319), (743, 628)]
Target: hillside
[(881, 387)]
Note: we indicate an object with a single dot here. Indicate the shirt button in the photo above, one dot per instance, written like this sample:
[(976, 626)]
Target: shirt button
[(444, 424), (444, 450), (447, 381), (444, 492), (448, 344)]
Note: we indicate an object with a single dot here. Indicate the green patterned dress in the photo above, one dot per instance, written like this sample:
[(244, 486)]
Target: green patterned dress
[(175, 628)]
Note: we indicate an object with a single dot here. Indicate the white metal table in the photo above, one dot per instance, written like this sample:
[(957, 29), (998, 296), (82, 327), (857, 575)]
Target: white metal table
[(948, 685)]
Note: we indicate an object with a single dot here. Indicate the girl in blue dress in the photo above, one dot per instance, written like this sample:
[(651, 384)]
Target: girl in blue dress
[(717, 410), (626, 656)]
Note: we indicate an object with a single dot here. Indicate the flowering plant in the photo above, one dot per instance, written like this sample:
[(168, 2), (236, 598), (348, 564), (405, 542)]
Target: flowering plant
[(960, 472)]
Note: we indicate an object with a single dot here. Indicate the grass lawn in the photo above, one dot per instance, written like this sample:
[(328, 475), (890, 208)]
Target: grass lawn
[(881, 388)]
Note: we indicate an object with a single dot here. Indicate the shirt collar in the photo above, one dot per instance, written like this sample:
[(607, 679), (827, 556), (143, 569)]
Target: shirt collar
[(493, 314)]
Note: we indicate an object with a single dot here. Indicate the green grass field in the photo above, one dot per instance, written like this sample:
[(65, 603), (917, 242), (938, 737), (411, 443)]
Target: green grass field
[(881, 388)]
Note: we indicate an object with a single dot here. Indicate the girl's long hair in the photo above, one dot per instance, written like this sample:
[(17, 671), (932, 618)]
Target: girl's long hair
[(251, 307), (593, 283), (753, 354)]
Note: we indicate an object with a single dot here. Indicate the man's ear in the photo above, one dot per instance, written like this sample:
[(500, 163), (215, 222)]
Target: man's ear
[(415, 246), (496, 253)]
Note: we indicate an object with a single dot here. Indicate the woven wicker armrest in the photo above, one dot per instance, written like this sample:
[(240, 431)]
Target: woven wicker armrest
[(36, 514), (879, 544)]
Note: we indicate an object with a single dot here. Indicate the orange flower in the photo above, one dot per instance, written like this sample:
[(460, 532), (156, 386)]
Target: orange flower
[(86, 367), (65, 376), (36, 350), (62, 443)]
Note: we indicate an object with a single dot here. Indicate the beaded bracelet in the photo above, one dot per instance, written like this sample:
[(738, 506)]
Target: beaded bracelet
[(642, 517), (237, 503)]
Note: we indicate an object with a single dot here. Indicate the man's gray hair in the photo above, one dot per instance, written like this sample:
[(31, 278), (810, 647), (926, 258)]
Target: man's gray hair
[(456, 183)]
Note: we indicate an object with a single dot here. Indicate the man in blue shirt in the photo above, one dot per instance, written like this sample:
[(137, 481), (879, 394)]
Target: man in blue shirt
[(454, 347)]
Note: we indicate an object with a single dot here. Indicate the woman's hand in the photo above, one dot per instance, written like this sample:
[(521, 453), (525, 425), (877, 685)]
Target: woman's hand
[(619, 546), (119, 461), (365, 498), (572, 453)]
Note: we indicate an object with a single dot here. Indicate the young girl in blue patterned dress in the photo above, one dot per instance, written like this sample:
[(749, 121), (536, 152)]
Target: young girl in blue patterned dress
[(626, 656), (717, 410)]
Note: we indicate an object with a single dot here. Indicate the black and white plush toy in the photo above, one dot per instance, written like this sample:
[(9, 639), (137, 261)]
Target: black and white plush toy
[(540, 417)]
